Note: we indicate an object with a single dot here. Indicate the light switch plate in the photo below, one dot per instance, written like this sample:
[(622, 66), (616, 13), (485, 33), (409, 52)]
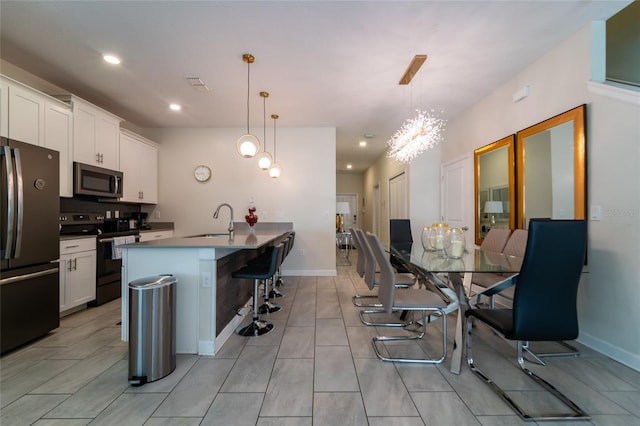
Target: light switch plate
[(595, 213)]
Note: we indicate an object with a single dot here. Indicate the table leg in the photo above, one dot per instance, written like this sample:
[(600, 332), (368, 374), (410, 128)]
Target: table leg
[(461, 332)]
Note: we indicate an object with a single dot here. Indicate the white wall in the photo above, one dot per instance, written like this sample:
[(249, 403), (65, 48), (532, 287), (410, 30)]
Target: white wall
[(609, 293), (304, 194)]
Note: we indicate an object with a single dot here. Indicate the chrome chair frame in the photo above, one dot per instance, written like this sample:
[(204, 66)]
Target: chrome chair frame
[(360, 269), (544, 307), (409, 301)]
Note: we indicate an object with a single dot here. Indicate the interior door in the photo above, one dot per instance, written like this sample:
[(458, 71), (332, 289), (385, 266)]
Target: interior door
[(398, 205), (457, 195)]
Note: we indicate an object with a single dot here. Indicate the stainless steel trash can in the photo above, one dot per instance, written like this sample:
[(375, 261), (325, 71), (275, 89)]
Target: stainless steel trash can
[(152, 328)]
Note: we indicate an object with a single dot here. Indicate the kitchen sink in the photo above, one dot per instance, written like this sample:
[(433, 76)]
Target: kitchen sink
[(217, 235)]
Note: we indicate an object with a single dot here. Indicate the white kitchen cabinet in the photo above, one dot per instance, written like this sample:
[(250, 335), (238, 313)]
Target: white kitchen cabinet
[(96, 134), (58, 135), (39, 119), (4, 107), (155, 235), (139, 163), (77, 272), (26, 114)]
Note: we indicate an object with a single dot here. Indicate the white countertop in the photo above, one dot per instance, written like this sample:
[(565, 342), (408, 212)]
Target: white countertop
[(241, 240)]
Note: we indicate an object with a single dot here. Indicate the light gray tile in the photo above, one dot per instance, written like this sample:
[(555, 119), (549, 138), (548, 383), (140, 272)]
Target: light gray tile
[(195, 392), (303, 309), (274, 337), (395, 421), (443, 408), (129, 409), (360, 341), (236, 409), (513, 420), (252, 370), (417, 377), (23, 359), (383, 391), (233, 346), (630, 401), (95, 396), (284, 421), (90, 345), (615, 420), (62, 422), (297, 342), (173, 421), (334, 370), (29, 379), (290, 391), (338, 408), (587, 372), (327, 304), (29, 408), (82, 372), (331, 332)]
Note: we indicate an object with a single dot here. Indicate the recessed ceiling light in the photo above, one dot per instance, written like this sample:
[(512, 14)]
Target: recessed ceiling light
[(363, 143), (114, 60), (349, 166), (175, 107)]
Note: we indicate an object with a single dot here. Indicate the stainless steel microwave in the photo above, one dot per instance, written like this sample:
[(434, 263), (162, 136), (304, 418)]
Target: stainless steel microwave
[(92, 180)]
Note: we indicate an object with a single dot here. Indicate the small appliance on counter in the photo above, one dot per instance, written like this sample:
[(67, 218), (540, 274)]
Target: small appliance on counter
[(139, 220)]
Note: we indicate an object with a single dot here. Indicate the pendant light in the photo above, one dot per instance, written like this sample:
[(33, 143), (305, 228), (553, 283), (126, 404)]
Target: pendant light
[(264, 159), (248, 144), (275, 171)]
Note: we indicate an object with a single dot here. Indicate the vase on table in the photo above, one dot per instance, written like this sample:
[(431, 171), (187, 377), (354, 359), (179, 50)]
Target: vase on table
[(251, 218)]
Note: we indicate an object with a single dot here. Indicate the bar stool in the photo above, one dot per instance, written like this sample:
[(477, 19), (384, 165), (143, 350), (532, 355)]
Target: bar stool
[(290, 240), (258, 271), (267, 307)]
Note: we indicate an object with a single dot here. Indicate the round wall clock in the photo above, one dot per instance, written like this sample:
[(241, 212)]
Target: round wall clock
[(202, 173)]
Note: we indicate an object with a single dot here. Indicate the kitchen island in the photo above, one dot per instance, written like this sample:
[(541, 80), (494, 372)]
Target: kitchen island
[(207, 297)]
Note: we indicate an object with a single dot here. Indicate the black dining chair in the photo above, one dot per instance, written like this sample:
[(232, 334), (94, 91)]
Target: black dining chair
[(400, 233), (544, 303)]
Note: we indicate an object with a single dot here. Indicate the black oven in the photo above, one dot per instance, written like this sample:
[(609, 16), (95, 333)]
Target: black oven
[(109, 264), (108, 232)]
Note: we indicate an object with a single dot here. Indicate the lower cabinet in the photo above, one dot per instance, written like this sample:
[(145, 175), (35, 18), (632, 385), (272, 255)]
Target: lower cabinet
[(155, 235), (77, 272)]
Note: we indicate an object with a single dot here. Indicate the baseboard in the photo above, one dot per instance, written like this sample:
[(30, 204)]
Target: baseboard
[(627, 358)]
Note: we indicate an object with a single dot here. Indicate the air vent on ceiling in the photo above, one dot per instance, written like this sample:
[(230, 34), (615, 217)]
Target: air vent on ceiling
[(198, 84)]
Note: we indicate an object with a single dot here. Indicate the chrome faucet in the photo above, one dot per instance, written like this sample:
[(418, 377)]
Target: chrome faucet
[(215, 216)]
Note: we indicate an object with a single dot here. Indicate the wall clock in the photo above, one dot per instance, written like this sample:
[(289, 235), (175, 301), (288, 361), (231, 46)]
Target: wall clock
[(202, 173)]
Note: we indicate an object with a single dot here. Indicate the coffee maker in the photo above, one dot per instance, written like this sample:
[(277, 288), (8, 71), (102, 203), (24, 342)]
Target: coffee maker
[(140, 220)]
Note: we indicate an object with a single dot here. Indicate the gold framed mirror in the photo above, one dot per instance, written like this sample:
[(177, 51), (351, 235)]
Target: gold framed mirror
[(494, 186), (551, 165)]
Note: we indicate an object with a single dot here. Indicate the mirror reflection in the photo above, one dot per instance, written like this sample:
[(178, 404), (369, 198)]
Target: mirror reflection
[(494, 187), (551, 167)]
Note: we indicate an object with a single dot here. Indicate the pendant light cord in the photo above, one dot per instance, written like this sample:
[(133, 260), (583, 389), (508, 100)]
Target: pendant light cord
[(248, 70)]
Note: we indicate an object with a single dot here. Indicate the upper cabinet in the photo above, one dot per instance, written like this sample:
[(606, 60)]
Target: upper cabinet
[(33, 117), (95, 133), (139, 163)]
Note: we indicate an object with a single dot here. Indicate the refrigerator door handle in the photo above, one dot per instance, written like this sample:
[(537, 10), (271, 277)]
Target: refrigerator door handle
[(20, 200), (25, 277), (10, 191)]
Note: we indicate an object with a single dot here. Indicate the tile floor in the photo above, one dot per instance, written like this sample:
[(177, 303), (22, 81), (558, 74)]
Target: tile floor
[(316, 368)]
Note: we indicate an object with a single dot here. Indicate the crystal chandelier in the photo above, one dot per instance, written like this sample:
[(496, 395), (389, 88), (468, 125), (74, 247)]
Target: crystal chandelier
[(416, 136)]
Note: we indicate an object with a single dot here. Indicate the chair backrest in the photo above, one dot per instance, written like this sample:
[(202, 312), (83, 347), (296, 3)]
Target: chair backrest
[(495, 240), (517, 243), (360, 255), (370, 264), (387, 285), (400, 231), (544, 304)]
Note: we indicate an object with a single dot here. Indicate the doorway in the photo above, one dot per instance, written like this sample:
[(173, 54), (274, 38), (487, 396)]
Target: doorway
[(351, 219)]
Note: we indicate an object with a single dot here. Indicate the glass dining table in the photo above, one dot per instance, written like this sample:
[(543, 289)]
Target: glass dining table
[(439, 270)]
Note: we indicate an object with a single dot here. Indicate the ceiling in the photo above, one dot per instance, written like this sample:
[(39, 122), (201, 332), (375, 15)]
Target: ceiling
[(324, 63)]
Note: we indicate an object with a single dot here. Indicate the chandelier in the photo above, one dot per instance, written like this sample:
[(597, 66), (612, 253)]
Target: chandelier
[(416, 135)]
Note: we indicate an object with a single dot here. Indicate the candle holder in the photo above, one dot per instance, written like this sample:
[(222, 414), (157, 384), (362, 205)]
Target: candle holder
[(455, 243)]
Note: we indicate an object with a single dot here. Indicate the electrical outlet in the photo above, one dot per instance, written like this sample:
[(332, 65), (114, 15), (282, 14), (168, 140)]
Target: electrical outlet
[(157, 213), (206, 279)]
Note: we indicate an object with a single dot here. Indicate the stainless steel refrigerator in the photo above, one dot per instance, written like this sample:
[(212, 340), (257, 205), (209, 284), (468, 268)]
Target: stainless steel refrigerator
[(30, 248)]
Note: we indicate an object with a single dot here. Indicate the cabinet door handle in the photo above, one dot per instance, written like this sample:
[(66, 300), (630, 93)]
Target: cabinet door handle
[(75, 264), (70, 266), (72, 246)]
